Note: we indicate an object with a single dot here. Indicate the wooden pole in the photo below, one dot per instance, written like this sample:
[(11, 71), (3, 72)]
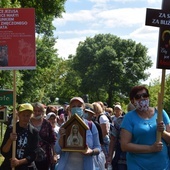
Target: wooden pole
[(159, 117), (14, 115), (160, 103), (165, 6), (2, 130)]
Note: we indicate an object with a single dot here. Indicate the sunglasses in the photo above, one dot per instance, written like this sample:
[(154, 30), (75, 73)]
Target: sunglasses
[(143, 95)]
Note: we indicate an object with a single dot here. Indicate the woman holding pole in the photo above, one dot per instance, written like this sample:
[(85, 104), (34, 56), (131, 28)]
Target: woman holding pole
[(138, 134)]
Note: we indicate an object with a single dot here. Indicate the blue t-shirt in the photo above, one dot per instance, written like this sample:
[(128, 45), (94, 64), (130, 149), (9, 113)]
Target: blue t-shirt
[(144, 133)]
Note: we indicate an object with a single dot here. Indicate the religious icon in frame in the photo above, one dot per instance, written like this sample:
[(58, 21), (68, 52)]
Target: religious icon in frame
[(75, 138)]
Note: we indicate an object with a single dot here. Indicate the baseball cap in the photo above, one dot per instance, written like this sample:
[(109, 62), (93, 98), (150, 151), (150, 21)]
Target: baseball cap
[(78, 99), (118, 106), (89, 108), (50, 114), (25, 106)]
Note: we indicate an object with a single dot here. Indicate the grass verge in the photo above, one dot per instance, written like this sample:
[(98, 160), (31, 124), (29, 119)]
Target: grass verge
[(1, 159)]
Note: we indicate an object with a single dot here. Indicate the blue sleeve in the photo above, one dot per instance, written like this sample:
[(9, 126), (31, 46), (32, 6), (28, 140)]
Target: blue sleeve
[(128, 120), (92, 136), (166, 119), (57, 146), (96, 141)]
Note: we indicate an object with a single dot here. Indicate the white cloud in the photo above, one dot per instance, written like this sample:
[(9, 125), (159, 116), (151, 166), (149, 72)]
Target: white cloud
[(102, 18), (80, 17), (99, 1), (78, 32), (105, 1), (146, 35), (108, 18), (153, 1), (126, 1), (74, 0), (68, 46), (123, 17)]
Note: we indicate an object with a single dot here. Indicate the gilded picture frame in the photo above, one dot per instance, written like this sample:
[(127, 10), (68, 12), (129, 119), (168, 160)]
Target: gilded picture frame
[(75, 138)]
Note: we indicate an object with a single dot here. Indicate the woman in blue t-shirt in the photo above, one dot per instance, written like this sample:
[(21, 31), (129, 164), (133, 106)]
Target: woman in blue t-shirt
[(138, 134)]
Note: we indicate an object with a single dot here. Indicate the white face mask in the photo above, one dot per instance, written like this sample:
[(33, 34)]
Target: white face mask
[(37, 117), (142, 105)]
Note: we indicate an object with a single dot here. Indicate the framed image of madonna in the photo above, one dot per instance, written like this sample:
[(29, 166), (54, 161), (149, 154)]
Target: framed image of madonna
[(75, 138)]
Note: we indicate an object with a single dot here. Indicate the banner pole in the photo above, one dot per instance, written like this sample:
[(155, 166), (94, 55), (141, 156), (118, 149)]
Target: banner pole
[(14, 115), (160, 103)]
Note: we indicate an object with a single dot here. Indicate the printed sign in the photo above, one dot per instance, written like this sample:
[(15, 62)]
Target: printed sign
[(17, 38), (163, 60), (161, 18), (157, 18), (6, 97)]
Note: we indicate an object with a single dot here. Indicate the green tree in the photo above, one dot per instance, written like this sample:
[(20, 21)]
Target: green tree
[(9, 4), (109, 66), (154, 88), (68, 82), (45, 11), (39, 83), (166, 99)]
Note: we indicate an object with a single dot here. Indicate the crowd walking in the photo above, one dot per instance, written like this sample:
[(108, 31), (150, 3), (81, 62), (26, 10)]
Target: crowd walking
[(113, 140)]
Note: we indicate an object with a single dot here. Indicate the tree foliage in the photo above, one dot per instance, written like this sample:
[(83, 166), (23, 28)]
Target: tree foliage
[(68, 82), (45, 12), (9, 4), (166, 99), (39, 84), (105, 66), (155, 88), (109, 66), (6, 77)]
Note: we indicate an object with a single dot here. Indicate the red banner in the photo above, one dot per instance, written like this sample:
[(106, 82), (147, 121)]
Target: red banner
[(17, 38)]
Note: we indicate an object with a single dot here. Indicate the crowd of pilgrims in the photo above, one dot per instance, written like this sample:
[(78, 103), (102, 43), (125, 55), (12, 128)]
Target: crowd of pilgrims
[(113, 140)]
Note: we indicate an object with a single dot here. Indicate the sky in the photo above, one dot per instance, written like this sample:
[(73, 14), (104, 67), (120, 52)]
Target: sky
[(123, 18)]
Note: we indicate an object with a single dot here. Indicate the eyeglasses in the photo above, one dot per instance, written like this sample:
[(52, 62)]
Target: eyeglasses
[(143, 95)]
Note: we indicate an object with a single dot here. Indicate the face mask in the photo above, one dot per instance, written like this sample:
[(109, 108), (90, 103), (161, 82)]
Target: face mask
[(85, 115), (38, 117), (77, 110), (142, 105)]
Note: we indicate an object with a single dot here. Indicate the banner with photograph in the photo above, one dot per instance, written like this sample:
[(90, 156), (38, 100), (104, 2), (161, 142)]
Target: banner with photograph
[(17, 38)]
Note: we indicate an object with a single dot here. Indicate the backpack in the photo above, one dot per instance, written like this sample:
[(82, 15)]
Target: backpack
[(99, 130), (110, 119)]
